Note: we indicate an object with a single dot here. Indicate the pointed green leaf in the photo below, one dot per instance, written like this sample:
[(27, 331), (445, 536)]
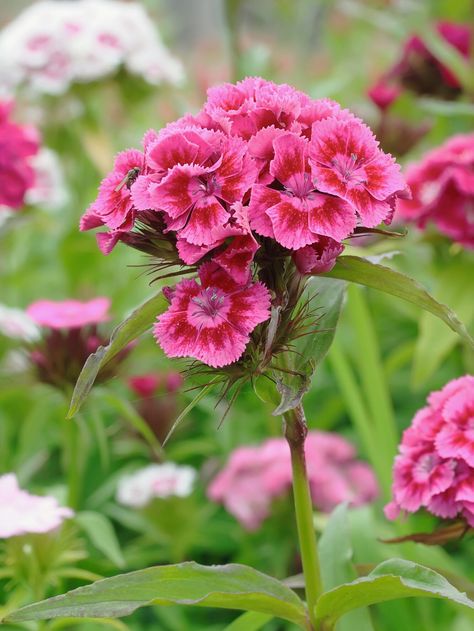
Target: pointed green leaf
[(135, 325), (102, 534), (364, 272), (390, 580), (223, 586)]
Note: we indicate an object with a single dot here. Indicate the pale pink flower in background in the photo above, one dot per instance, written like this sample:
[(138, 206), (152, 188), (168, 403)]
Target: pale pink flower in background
[(22, 513), (212, 321), (69, 314), (49, 189), (442, 185), (52, 45), (155, 481), (255, 476), (436, 462)]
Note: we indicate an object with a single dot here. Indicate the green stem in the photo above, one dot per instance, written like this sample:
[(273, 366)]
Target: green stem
[(72, 462), (231, 14), (295, 433)]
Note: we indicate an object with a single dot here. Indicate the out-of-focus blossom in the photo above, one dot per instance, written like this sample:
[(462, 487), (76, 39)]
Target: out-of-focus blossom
[(157, 401), (435, 466), (442, 186), (421, 71), (69, 314), (17, 324), (22, 513), (155, 481), (19, 144), (255, 476), (53, 44)]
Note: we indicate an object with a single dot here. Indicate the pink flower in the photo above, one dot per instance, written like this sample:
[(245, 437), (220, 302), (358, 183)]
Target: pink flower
[(442, 185), (69, 314), (436, 462), (318, 258), (296, 215), (18, 145), (149, 384), (383, 94), (346, 161), (212, 320), (255, 476), (22, 513)]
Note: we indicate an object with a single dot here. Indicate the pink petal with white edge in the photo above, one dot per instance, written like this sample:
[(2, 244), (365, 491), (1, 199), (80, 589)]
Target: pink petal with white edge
[(290, 224), (331, 216), (237, 257), (261, 200), (289, 164), (207, 219), (177, 192)]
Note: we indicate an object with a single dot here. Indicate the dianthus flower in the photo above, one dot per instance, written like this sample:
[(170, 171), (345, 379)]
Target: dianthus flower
[(263, 177), (255, 476), (22, 513), (52, 45), (68, 335), (435, 467), (442, 185), (419, 69), (155, 481)]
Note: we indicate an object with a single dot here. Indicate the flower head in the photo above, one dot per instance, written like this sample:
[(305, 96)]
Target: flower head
[(255, 476), (442, 186), (22, 513), (155, 481), (435, 466), (69, 314), (212, 320)]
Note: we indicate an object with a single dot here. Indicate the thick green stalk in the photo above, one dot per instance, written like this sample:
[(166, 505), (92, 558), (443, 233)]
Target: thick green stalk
[(295, 433)]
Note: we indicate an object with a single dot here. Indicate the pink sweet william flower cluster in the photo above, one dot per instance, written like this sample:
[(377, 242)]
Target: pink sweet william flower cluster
[(19, 144), (442, 186), (262, 173), (22, 513), (256, 476), (435, 467)]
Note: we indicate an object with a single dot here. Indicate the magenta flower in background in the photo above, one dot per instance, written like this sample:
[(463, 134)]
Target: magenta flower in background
[(255, 476), (19, 144), (442, 186), (435, 467), (69, 314), (22, 513), (212, 321)]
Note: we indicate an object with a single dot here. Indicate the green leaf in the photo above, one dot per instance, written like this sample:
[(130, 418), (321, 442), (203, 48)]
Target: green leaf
[(390, 580), (335, 554), (225, 586), (135, 325), (250, 621), (364, 272), (326, 299), (102, 534), (455, 287)]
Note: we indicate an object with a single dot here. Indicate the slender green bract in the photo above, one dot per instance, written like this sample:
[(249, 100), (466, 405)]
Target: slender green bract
[(224, 586)]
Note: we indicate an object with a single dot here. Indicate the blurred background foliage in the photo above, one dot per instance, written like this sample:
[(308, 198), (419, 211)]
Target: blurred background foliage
[(335, 49)]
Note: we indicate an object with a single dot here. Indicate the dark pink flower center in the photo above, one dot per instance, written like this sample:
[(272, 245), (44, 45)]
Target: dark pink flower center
[(425, 466), (206, 185), (211, 303), (350, 168)]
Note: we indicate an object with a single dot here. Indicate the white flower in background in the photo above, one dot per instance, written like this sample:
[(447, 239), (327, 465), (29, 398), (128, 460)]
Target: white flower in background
[(156, 480), (16, 324), (49, 190), (22, 513), (53, 44)]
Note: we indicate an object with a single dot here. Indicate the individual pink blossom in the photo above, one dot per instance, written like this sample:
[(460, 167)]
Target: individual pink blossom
[(346, 161), (212, 320), (22, 513), (255, 476), (435, 467), (18, 146), (319, 257), (69, 314), (383, 94), (149, 384), (442, 186)]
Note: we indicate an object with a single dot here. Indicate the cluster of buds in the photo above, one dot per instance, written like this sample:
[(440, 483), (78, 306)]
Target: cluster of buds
[(258, 189), (69, 334)]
